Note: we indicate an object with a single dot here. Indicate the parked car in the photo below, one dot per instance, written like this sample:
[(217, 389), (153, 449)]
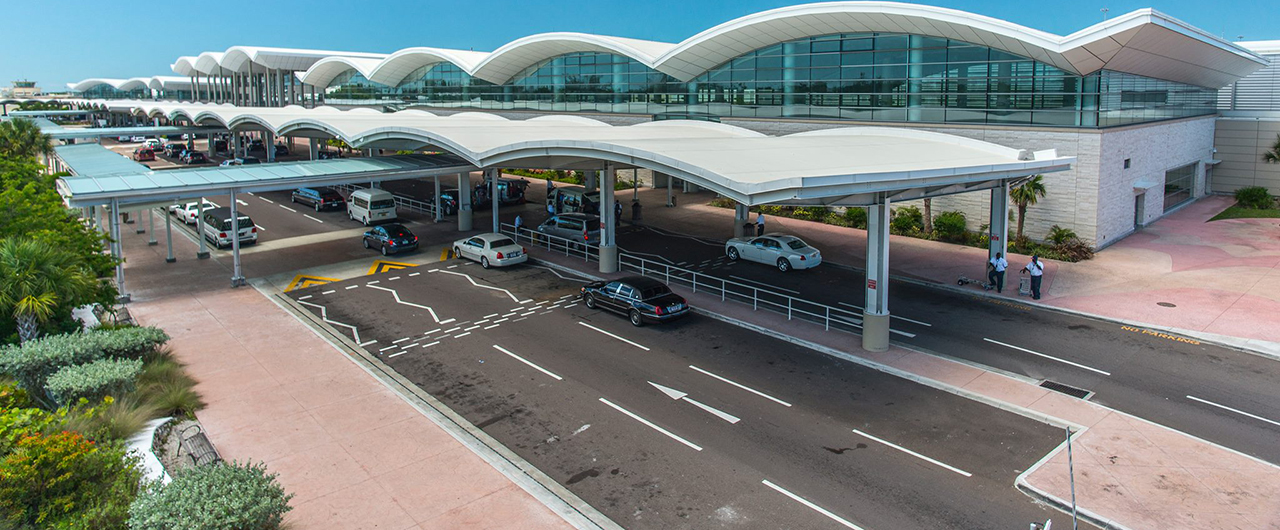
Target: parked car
[(510, 191), (779, 250), (144, 154), (255, 144), (641, 299), (248, 160), (579, 227), (217, 227), (390, 239), (138, 139), (123, 139), (194, 157), (189, 212), (575, 199), (174, 150), (371, 205), (154, 144), (448, 201), (491, 250), (326, 154), (319, 198), (282, 150)]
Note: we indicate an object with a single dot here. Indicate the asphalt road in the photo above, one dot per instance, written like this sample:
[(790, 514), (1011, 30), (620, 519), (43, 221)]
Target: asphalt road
[(764, 438)]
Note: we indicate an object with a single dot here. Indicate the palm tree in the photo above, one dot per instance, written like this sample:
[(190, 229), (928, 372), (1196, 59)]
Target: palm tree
[(23, 139), (37, 279), (1272, 156), (1024, 195), (928, 216)]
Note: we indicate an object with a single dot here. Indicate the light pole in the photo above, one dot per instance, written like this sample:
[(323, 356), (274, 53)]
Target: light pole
[(1071, 472), (1104, 13)]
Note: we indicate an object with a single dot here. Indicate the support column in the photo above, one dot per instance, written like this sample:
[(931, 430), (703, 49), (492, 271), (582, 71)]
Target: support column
[(999, 221), (608, 247), (875, 314), (670, 198), (269, 144), (315, 151), (151, 227), (211, 141), (117, 251), (237, 279), (203, 253), (492, 175), (592, 180), (168, 238), (439, 208), (740, 214), (464, 202), (237, 145)]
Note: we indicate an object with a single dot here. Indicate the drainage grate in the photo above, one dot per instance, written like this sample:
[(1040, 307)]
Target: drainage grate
[(1065, 389)]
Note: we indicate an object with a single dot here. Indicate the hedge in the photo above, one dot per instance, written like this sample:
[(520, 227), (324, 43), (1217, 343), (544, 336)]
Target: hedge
[(93, 381), (215, 497), (33, 362), (1255, 197)]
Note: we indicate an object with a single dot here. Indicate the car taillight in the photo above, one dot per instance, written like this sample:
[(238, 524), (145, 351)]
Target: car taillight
[(254, 230), (415, 239), (524, 250), (499, 255), (802, 258), (393, 242), (222, 234), (658, 310)]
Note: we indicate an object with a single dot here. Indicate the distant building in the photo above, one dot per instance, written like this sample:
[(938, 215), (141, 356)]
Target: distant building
[(23, 89)]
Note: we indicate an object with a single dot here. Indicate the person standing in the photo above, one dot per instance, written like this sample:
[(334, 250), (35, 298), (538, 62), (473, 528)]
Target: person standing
[(617, 213), (519, 223), (759, 224), (551, 207), (550, 188), (1037, 274), (996, 267)]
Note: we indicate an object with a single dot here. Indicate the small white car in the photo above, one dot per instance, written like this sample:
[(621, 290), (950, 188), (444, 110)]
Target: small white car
[(138, 139), (123, 139), (780, 250), (154, 144), (189, 211), (491, 250)]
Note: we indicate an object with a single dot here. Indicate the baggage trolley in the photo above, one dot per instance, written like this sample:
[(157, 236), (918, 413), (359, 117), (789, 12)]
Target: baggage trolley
[(1024, 286)]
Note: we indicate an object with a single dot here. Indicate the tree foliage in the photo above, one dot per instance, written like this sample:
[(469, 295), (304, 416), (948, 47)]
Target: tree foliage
[(36, 279), (64, 481), (1272, 156), (1027, 194), (21, 138)]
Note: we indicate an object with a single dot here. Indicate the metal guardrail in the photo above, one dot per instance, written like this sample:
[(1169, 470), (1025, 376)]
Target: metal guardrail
[(408, 203), (759, 297)]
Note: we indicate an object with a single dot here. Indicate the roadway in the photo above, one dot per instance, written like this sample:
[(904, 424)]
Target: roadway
[(749, 431)]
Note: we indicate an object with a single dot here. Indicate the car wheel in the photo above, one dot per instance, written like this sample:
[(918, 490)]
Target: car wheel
[(589, 301), (733, 254), (365, 221), (384, 250), (293, 199), (366, 242), (317, 206), (784, 265), (484, 261), (457, 252), (636, 320)]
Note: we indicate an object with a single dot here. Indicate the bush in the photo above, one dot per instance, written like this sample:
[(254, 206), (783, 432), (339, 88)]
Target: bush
[(1059, 235), (1255, 197), (810, 213), (93, 381), (218, 497), (907, 220), (33, 362), (856, 217), (950, 226), (64, 481)]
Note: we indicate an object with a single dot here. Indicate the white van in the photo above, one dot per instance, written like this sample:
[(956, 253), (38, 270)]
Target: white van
[(371, 206)]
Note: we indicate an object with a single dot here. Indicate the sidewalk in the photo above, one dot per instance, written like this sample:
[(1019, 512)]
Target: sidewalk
[(1130, 472), (354, 453), (1223, 278)]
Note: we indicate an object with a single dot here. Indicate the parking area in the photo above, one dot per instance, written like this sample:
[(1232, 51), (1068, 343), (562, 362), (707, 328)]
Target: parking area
[(691, 424)]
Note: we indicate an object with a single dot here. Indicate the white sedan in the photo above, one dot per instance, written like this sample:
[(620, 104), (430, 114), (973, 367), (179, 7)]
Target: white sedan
[(780, 250), (189, 211), (491, 250)]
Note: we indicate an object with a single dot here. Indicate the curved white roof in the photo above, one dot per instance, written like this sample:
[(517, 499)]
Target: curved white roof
[(118, 84), (236, 59), (1144, 42)]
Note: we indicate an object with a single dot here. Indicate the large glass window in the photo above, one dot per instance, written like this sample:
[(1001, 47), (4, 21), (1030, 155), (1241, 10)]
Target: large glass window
[(1178, 185)]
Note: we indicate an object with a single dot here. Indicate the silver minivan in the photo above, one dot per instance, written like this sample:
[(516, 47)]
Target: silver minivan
[(217, 227), (371, 206), (576, 227)]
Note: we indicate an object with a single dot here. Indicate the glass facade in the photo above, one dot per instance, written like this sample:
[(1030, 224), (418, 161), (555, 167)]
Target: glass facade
[(105, 91), (1178, 185), (867, 77)]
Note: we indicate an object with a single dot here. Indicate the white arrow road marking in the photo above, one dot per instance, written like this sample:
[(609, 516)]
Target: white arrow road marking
[(678, 395), (649, 424), (241, 203), (399, 301)]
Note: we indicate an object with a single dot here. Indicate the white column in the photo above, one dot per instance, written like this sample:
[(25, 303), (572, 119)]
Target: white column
[(315, 149), (875, 314), (608, 247), (117, 250), (211, 140), (740, 214), (269, 145), (670, 197), (439, 208), (151, 227), (592, 180), (237, 279), (999, 220), (464, 202), (492, 175), (203, 253), (168, 238)]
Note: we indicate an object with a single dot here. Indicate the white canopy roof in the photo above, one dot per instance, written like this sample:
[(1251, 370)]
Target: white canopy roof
[(837, 166), (236, 59)]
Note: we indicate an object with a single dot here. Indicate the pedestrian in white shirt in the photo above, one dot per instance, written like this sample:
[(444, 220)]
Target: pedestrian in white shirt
[(759, 224), (995, 274), (1037, 274)]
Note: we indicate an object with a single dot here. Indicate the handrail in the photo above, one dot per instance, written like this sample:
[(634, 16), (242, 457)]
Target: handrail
[(569, 247)]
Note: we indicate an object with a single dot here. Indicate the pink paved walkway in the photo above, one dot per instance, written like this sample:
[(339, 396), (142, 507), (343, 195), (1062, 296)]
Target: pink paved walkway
[(354, 454), (1134, 473)]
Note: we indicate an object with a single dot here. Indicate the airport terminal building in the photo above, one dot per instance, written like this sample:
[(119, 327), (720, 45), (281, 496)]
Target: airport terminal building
[(1139, 100)]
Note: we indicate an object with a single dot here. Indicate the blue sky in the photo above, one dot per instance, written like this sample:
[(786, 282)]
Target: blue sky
[(56, 41)]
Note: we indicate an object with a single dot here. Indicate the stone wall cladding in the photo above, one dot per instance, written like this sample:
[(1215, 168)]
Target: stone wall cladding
[(1240, 143)]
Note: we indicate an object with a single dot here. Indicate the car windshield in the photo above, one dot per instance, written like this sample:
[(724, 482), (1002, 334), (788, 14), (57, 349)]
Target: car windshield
[(592, 225), (796, 244), (398, 231), (499, 243), (653, 292)]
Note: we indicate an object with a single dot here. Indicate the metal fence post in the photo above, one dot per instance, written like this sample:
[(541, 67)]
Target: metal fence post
[(755, 297), (695, 282), (828, 318), (788, 308), (724, 287)]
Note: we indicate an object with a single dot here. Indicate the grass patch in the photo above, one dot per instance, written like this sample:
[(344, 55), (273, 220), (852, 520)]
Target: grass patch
[(1237, 212)]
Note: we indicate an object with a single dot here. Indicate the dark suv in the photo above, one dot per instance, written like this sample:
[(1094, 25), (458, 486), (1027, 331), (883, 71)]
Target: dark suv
[(319, 198), (641, 299)]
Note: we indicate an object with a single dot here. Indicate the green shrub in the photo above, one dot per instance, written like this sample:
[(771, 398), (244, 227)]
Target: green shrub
[(34, 361), (856, 217), (113, 419), (949, 226), (906, 220), (64, 481), (1255, 197), (218, 497), (1059, 235), (93, 381), (810, 213)]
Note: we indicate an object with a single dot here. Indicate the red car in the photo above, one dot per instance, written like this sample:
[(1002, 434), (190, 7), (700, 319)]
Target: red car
[(144, 154)]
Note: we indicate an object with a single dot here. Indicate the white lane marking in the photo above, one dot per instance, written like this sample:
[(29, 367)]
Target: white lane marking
[(473, 282), (529, 313), (471, 328), (742, 386), (1240, 412), (553, 306), (329, 292), (368, 342), (398, 341), (350, 287), (393, 278), (542, 302), (401, 352), (499, 321), (570, 305), (265, 199), (568, 296), (679, 395), (414, 273), (260, 227), (460, 335), (307, 297), (482, 321), (1050, 357), (545, 313), (431, 344), (430, 332), (748, 280), (251, 193), (387, 348), (614, 336), (511, 314), (518, 319), (493, 326), (411, 304), (434, 270), (241, 203), (526, 361), (312, 218), (450, 267), (811, 505), (904, 319), (409, 346), (371, 283), (580, 429), (651, 425), (447, 321), (451, 330), (287, 208), (324, 315), (490, 316), (915, 454)]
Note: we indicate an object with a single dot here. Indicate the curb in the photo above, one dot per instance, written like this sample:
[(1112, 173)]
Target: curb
[(564, 503), (1085, 514)]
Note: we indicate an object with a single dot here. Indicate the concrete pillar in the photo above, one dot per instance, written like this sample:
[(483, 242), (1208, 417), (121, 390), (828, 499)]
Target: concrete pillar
[(875, 314), (670, 197), (211, 139), (168, 238), (439, 209), (608, 246), (117, 250), (237, 145), (592, 180), (269, 145), (740, 214), (203, 252), (315, 150), (464, 202), (237, 279), (151, 227), (999, 221), (492, 175)]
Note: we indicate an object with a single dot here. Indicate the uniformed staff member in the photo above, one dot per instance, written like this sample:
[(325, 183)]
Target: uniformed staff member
[(995, 274), (1037, 273)]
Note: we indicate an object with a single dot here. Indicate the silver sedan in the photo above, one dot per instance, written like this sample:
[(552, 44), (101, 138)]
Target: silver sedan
[(780, 250)]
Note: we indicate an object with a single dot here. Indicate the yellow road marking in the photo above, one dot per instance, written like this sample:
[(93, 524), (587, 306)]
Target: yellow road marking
[(384, 266), (302, 281), (1162, 335), (444, 254)]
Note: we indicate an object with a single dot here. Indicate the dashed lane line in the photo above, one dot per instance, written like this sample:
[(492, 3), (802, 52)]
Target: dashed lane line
[(1050, 357), (393, 278), (424, 346), (331, 291), (287, 208), (915, 454), (375, 282), (526, 361), (388, 348), (430, 332), (493, 326), (490, 316), (414, 345), (453, 329), (350, 287), (307, 297), (312, 218), (460, 335), (401, 352), (414, 274), (269, 201), (501, 320), (398, 341), (811, 505), (742, 386), (1240, 412), (471, 328), (614, 336), (650, 424)]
